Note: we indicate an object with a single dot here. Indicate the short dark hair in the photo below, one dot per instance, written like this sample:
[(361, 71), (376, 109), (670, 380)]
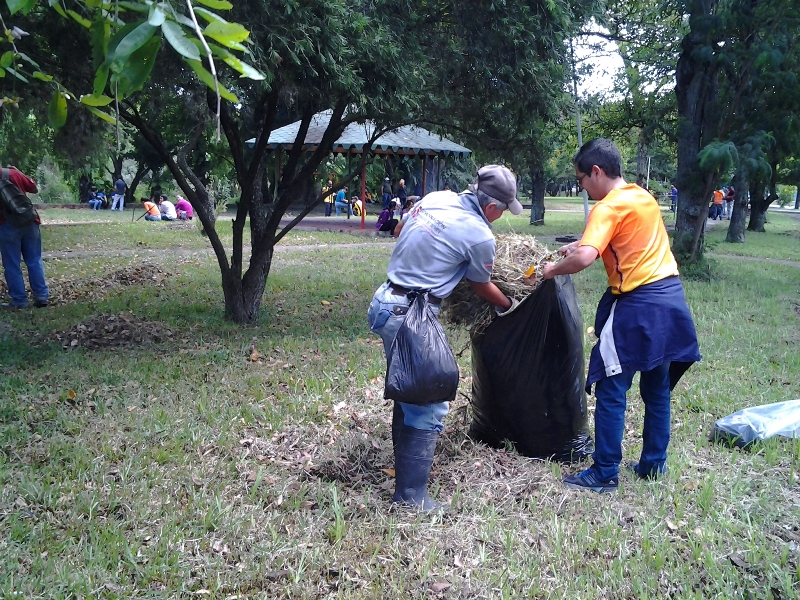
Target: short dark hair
[(601, 152)]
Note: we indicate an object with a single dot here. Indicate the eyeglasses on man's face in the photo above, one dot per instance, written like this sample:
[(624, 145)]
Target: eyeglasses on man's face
[(579, 179)]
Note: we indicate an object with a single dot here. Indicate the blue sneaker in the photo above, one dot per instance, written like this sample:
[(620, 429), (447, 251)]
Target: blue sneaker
[(588, 480), (654, 474)]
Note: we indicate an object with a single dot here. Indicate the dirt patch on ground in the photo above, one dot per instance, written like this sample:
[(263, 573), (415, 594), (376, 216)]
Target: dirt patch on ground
[(113, 331)]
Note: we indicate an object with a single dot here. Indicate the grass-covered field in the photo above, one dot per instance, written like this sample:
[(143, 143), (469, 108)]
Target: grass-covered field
[(214, 461)]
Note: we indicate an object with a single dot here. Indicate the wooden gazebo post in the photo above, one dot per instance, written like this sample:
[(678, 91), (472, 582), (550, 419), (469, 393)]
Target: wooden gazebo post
[(424, 172), (363, 194)]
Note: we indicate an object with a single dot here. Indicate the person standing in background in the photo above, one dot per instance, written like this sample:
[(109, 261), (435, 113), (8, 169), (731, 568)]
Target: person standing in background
[(402, 193), (328, 198), (716, 205), (22, 243), (118, 199), (387, 192), (730, 196)]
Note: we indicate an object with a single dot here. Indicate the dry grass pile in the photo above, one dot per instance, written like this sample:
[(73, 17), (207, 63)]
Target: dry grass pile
[(515, 254)]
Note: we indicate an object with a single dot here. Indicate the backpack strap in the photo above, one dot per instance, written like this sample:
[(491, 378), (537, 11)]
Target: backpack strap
[(4, 174)]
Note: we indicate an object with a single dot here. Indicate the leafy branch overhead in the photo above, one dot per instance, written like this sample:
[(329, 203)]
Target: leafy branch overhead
[(125, 38)]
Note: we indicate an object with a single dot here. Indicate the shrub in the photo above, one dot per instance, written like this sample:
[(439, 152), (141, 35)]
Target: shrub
[(53, 189)]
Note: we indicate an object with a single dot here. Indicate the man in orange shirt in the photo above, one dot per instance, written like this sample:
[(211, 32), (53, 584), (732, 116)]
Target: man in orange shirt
[(642, 320), (716, 207), (151, 210)]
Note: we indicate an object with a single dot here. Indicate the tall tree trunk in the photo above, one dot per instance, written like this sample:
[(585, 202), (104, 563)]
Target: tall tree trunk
[(736, 227), (696, 93), (117, 166), (641, 160), (537, 194), (759, 203), (757, 193), (130, 191)]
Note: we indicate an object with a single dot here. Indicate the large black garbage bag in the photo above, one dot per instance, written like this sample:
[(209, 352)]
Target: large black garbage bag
[(528, 377), (421, 367)]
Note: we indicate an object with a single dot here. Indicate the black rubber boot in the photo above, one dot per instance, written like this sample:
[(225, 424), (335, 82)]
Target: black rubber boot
[(413, 457)]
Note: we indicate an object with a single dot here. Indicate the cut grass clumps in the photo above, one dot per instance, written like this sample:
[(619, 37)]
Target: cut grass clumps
[(255, 461), (516, 257)]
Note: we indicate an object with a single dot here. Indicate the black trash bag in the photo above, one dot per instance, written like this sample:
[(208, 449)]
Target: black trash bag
[(528, 377), (421, 367)]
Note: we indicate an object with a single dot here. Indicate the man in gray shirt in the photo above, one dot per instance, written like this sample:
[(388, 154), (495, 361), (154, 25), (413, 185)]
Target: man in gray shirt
[(446, 237)]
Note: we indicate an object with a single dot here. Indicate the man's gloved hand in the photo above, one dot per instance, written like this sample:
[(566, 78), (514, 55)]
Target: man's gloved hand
[(503, 313)]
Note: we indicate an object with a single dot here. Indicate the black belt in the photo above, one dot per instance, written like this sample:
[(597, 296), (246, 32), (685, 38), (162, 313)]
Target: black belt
[(399, 290)]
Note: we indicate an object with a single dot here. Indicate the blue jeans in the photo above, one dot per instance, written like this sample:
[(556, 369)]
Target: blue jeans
[(328, 207), (386, 199), (23, 243), (95, 204), (342, 206), (152, 218), (609, 421), (385, 321)]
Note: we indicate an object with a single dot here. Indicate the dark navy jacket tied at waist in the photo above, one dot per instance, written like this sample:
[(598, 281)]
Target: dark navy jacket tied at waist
[(642, 329)]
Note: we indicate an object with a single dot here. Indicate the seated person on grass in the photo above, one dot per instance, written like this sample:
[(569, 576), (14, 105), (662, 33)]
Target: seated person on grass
[(355, 202), (151, 210), (184, 209), (341, 202), (167, 209), (93, 201), (386, 221)]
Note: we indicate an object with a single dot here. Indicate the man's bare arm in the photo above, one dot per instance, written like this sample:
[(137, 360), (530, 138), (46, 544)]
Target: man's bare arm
[(491, 293), (576, 260)]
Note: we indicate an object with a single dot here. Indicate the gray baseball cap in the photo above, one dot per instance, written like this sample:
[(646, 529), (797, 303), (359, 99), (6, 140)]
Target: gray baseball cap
[(499, 183)]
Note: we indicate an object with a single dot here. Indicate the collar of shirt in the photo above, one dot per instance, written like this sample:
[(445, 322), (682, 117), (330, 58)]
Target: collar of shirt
[(470, 201)]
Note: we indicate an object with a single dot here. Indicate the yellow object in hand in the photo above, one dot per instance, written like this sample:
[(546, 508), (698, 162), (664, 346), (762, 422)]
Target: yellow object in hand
[(531, 271)]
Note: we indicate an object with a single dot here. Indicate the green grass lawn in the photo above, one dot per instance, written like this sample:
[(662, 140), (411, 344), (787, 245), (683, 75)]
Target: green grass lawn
[(781, 239), (216, 461)]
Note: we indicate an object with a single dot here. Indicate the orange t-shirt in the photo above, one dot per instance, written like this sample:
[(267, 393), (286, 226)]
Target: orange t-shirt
[(151, 209), (717, 196), (628, 232)]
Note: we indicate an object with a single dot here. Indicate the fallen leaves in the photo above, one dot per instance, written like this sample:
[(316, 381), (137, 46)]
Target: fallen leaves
[(738, 561), (94, 289), (110, 331), (671, 526), (220, 548)]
